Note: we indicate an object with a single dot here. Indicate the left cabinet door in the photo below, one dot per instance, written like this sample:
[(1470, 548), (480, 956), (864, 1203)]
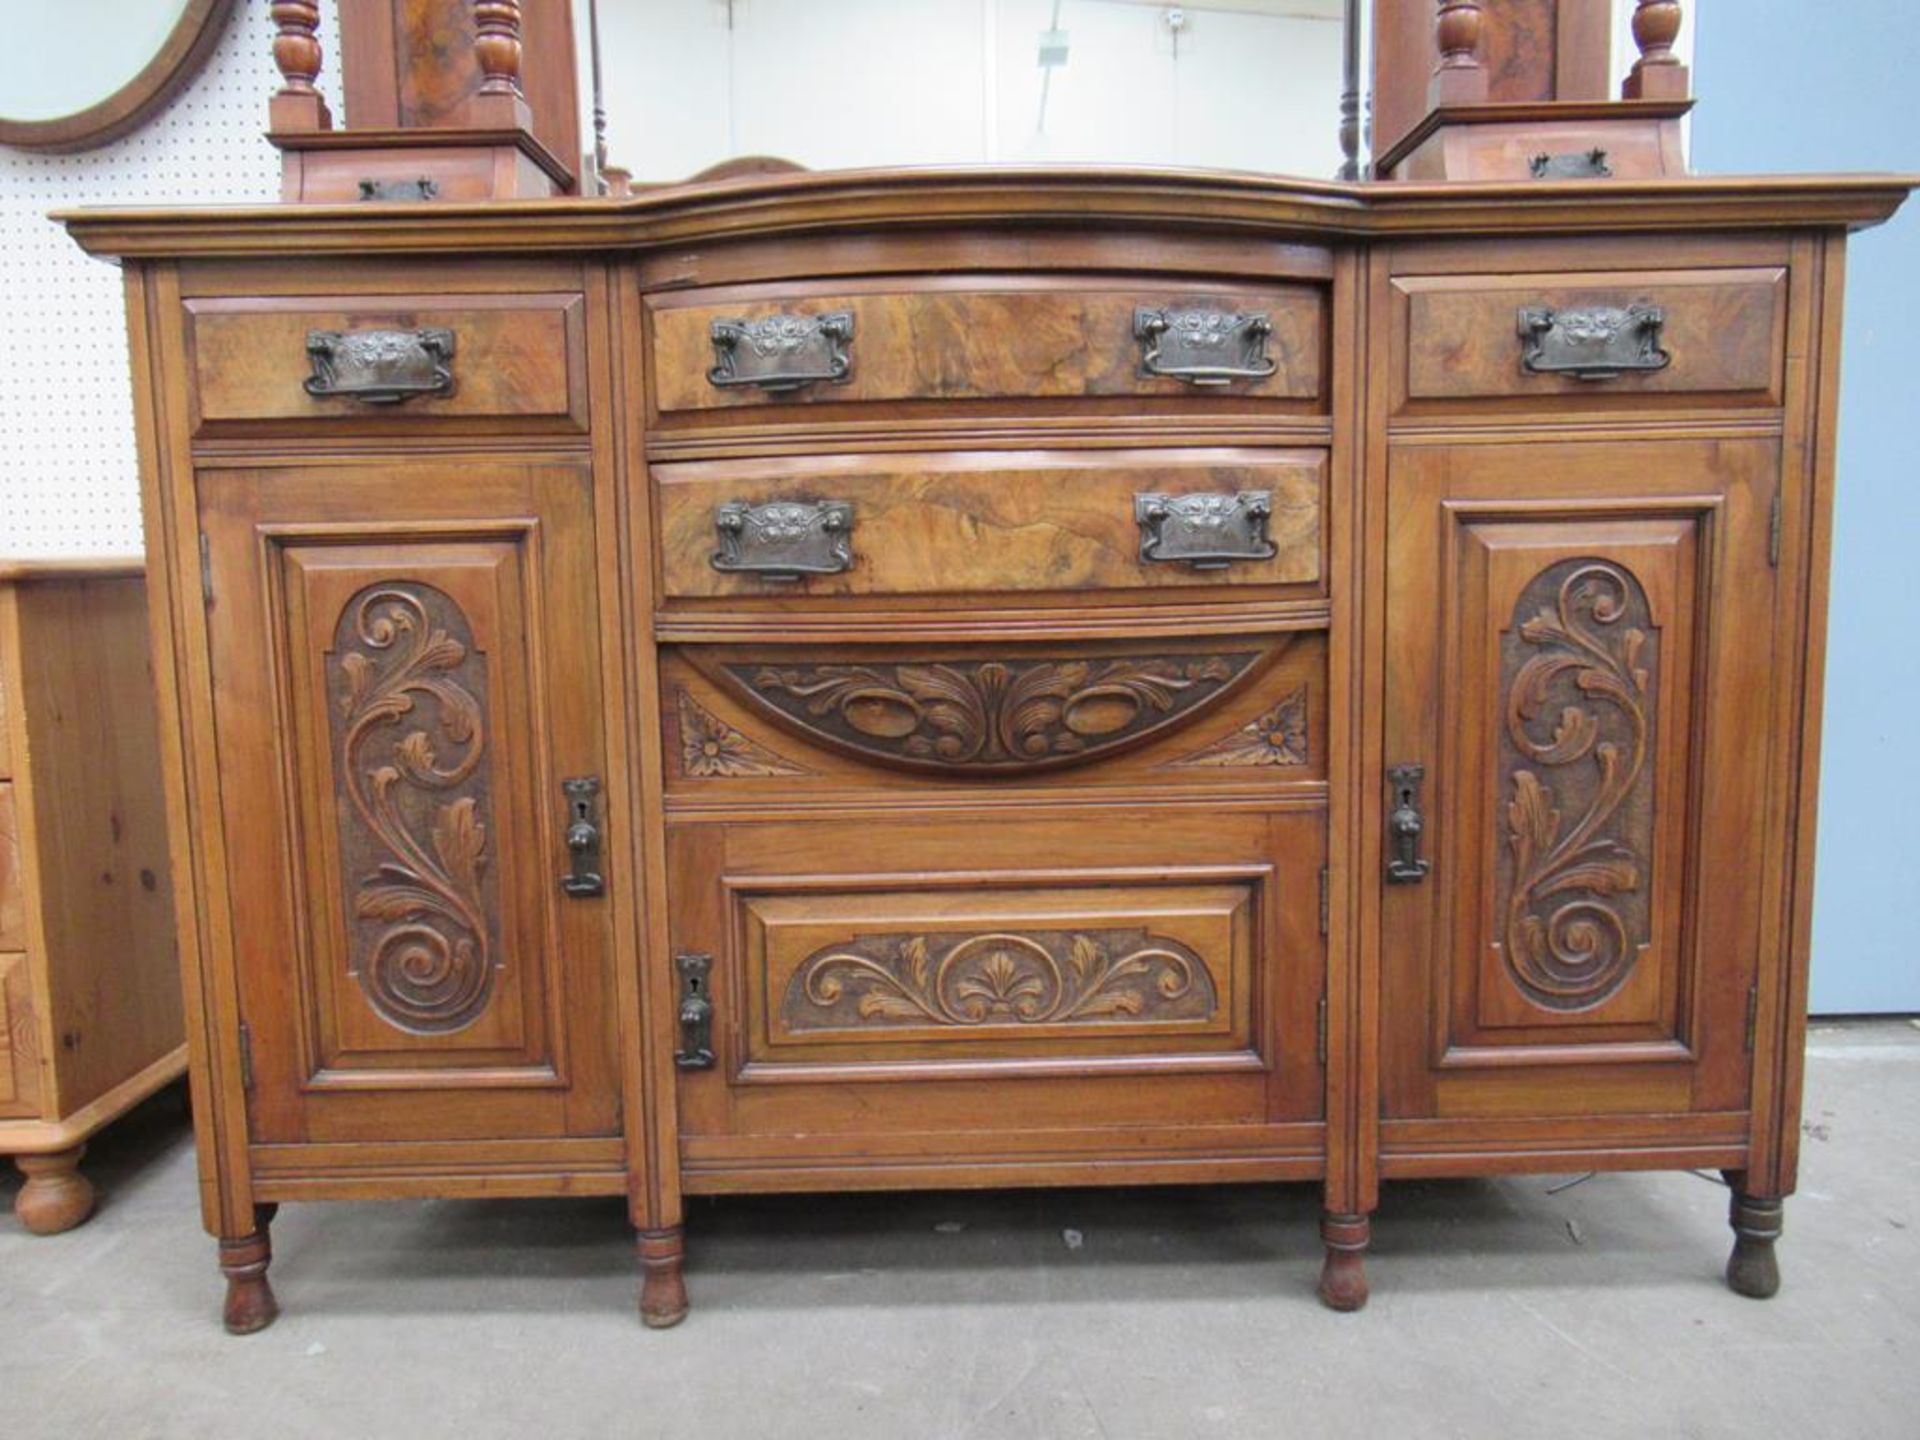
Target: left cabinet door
[(405, 663)]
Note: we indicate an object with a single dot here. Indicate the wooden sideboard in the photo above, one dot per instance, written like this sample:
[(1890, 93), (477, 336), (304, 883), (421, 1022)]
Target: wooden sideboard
[(913, 679), (90, 1015)]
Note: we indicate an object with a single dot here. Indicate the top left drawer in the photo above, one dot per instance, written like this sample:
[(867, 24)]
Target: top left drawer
[(343, 365)]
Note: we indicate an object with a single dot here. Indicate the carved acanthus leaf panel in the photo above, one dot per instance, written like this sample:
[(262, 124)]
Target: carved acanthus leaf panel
[(405, 679), (712, 749), (990, 715), (999, 979), (1278, 737), (1582, 657)]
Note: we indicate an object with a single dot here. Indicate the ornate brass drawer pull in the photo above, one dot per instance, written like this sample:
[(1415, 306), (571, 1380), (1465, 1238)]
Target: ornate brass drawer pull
[(1203, 347), (1209, 530), (1599, 342), (778, 353), (784, 540), (1577, 165), (379, 367)]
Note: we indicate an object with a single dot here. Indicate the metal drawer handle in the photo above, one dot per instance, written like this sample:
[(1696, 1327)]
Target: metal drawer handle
[(1576, 165), (777, 353), (379, 367), (1600, 342), (1209, 530), (1203, 347), (784, 540)]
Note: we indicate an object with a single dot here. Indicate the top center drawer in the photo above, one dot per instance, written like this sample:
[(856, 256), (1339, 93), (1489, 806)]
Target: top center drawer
[(985, 338)]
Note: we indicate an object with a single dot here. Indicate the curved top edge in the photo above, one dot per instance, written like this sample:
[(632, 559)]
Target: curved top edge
[(764, 204)]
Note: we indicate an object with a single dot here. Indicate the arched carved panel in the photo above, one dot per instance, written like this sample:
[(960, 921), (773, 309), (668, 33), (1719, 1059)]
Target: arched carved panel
[(409, 701), (970, 716), (999, 979), (1578, 667)]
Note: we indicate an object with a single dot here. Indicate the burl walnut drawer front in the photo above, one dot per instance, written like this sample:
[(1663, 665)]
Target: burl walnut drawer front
[(991, 522), (1597, 337), (503, 363), (984, 338)]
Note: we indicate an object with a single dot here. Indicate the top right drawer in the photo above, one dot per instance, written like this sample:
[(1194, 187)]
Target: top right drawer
[(1589, 340)]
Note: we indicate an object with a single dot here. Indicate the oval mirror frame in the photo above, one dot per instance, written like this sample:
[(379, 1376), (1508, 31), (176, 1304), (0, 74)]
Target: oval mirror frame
[(184, 51)]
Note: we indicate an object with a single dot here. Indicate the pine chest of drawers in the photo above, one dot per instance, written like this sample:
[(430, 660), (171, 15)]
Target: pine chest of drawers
[(936, 680)]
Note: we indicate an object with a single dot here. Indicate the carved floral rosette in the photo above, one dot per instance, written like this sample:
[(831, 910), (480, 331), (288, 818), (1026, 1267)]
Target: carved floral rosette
[(413, 818), (1580, 805), (999, 978)]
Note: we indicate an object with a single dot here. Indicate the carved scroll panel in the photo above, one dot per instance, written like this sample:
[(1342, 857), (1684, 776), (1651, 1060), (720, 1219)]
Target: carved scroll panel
[(1576, 707), (418, 744), (906, 975)]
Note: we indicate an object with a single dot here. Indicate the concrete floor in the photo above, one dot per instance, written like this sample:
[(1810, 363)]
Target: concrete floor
[(1499, 1308)]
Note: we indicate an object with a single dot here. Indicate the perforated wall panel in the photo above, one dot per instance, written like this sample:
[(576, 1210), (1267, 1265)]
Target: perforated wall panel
[(68, 480)]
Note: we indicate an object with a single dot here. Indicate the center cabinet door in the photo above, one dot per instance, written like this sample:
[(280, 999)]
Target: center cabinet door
[(398, 703), (1580, 652)]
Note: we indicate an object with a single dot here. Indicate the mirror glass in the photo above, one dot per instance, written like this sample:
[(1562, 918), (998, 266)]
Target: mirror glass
[(836, 84), (65, 56)]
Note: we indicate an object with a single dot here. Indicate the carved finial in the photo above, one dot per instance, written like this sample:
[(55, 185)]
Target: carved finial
[(1460, 78), (1658, 73), (496, 44), (499, 103), (1459, 33), (297, 105)]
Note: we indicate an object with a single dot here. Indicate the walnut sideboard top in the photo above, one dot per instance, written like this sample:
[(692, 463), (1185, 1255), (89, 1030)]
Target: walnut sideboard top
[(933, 678)]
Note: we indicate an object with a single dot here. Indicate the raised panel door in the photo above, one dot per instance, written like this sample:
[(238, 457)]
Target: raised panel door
[(1578, 643), (399, 700)]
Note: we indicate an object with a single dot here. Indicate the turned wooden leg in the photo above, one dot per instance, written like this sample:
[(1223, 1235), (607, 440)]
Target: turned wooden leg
[(663, 1290), (56, 1196), (243, 1260), (1343, 1278), (1752, 1269)]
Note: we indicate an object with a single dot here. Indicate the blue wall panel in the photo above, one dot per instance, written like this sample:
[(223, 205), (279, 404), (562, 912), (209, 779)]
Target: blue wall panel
[(1785, 86)]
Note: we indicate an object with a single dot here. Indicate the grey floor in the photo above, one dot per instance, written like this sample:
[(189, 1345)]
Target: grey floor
[(1499, 1308)]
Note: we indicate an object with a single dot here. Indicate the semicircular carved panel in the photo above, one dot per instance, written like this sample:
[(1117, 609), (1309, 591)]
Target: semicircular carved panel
[(409, 735), (997, 716), (1580, 667), (999, 979)]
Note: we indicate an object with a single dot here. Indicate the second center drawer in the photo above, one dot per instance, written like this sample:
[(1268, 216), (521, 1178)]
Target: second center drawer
[(987, 522)]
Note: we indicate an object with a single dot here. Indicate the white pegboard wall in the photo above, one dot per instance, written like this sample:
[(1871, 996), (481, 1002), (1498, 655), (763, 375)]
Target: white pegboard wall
[(69, 482)]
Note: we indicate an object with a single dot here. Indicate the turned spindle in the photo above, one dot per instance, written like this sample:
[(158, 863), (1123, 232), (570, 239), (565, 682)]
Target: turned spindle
[(1658, 73), (297, 105), (1461, 77), (499, 102)]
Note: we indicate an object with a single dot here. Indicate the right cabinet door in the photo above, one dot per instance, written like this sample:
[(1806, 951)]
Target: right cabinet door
[(1579, 656)]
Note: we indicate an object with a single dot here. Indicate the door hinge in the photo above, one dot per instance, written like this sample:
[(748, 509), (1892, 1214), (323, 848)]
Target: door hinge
[(1321, 1047), (1753, 1013), (1773, 532), (246, 1057), (1326, 898), (206, 569)]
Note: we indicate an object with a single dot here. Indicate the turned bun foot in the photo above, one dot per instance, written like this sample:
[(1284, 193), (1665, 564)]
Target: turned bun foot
[(663, 1289), (1752, 1269), (1343, 1277), (250, 1305), (56, 1196)]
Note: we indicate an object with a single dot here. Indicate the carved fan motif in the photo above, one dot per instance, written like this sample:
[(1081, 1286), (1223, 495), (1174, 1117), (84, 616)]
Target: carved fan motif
[(1580, 798), (413, 826), (1040, 977), (1279, 737), (712, 749), (990, 715)]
